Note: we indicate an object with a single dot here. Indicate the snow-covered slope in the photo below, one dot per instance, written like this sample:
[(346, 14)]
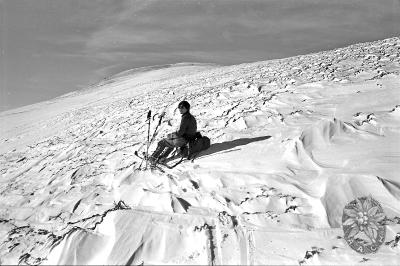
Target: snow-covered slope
[(293, 141)]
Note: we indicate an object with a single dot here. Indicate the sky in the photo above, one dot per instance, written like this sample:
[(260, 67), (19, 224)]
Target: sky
[(52, 47)]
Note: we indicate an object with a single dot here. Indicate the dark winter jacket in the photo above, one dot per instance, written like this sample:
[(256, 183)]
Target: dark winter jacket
[(188, 127)]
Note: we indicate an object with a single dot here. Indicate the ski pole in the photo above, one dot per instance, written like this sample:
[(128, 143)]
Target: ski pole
[(158, 125), (148, 137)]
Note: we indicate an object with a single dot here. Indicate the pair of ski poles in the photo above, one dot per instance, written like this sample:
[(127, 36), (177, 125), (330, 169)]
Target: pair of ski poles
[(149, 141)]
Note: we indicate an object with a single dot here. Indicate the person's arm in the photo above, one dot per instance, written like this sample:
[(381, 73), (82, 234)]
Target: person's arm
[(182, 127), (179, 132)]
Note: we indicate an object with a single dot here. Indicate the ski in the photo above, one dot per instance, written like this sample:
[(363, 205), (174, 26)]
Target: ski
[(174, 165), (172, 158), (165, 163), (142, 157)]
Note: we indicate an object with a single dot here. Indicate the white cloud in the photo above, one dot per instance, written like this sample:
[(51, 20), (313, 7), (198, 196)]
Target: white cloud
[(114, 37)]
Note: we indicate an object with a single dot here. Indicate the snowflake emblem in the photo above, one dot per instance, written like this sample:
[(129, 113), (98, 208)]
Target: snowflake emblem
[(363, 224)]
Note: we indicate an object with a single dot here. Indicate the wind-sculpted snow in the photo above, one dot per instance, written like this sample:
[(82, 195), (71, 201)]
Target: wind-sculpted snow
[(293, 141)]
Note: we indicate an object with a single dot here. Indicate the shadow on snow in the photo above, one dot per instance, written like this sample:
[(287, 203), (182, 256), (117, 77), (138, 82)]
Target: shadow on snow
[(228, 146)]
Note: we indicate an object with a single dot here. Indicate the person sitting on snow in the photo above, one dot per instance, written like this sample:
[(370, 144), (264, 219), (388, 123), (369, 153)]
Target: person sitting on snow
[(187, 131)]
